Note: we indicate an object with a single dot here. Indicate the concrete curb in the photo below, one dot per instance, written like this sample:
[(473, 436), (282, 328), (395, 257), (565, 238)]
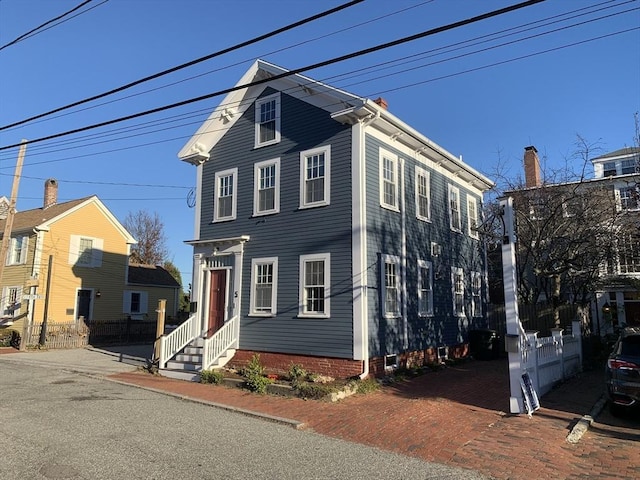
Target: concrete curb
[(586, 421), (250, 413)]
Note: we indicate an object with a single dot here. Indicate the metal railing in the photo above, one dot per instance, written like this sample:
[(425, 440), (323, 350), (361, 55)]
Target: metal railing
[(224, 339), (172, 343)]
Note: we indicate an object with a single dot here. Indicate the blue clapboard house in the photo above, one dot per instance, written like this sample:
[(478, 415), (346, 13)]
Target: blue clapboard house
[(328, 233)]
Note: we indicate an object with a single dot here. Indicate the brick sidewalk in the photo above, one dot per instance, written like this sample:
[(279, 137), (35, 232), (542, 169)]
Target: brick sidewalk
[(456, 416)]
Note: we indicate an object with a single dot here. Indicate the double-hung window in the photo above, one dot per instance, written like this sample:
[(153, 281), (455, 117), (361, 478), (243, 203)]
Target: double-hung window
[(455, 221), (18, 251), (85, 251), (135, 303), (11, 299), (629, 198), (425, 288), (423, 195), (315, 284), (266, 195), (264, 286), (390, 283), (472, 216), (476, 294), (225, 195), (389, 180), (315, 168), (268, 120), (457, 281)]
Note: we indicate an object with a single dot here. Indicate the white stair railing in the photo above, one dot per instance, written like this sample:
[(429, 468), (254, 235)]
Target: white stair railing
[(224, 339), (175, 341)]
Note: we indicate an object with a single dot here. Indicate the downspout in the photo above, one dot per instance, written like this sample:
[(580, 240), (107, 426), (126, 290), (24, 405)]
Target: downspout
[(403, 259), (362, 246)]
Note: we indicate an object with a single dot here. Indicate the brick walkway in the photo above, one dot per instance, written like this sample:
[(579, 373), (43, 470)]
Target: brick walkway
[(456, 416)]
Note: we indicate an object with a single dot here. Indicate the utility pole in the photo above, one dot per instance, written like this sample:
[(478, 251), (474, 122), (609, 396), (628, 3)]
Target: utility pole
[(43, 328), (8, 226)]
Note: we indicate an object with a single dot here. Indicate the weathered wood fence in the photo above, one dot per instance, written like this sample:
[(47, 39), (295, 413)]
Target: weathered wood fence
[(80, 334)]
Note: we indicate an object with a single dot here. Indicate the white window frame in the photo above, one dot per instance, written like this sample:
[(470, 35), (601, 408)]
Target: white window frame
[(422, 173), (127, 300), (385, 289), (473, 221), (7, 301), (476, 294), (233, 173), (458, 291), (326, 150), (454, 192), (256, 187), (258, 105), (625, 201), (425, 290), (23, 241), (273, 310), (75, 254), (386, 155), (302, 307)]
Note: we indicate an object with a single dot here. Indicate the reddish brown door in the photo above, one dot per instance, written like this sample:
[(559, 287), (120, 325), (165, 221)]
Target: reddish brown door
[(216, 301)]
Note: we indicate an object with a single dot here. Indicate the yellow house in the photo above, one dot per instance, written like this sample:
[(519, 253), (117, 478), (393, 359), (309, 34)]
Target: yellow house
[(70, 260)]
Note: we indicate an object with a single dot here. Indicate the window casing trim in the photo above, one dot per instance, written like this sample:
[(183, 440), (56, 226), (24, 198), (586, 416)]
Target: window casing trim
[(303, 297), (389, 180), (422, 173), (326, 176), (233, 173), (257, 169), (253, 311), (386, 290), (277, 111)]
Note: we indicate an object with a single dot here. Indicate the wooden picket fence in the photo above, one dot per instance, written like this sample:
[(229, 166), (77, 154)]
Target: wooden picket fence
[(80, 334)]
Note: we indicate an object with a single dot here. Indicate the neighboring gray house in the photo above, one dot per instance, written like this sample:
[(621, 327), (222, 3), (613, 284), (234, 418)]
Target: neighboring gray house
[(328, 233)]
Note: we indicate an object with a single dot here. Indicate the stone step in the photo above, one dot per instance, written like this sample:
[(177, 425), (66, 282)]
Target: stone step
[(186, 366), (189, 376), (188, 358)]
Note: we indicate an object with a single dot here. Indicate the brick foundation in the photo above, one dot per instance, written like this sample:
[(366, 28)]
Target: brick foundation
[(341, 367), (280, 363)]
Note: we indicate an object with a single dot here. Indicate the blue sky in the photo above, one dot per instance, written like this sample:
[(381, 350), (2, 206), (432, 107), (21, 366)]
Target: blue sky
[(485, 113)]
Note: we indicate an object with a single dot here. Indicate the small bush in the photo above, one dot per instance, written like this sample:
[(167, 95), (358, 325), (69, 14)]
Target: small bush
[(368, 385), (255, 380), (9, 338), (315, 391), (296, 372), (214, 377)]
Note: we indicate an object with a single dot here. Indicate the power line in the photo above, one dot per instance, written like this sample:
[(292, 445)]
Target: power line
[(33, 31), (263, 55), (361, 71), (249, 100), (192, 62), (341, 58), (89, 182)]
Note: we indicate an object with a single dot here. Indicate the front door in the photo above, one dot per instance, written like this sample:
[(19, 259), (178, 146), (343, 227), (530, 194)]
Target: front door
[(217, 297), (83, 304)]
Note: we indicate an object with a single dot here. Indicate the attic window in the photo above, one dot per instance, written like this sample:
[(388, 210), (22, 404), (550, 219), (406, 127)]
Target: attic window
[(267, 120)]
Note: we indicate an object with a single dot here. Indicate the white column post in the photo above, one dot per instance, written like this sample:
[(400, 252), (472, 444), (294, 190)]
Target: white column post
[(509, 278)]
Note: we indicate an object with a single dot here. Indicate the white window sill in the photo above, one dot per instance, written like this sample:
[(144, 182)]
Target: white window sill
[(313, 315)]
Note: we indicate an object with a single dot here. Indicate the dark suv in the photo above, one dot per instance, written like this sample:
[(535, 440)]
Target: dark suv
[(623, 371)]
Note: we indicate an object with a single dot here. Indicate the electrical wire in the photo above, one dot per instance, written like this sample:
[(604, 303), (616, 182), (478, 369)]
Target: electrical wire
[(296, 71), (40, 28), (362, 71), (249, 100), (192, 62)]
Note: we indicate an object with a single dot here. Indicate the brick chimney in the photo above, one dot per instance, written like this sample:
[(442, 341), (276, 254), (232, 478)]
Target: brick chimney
[(381, 102), (532, 177), (50, 193)]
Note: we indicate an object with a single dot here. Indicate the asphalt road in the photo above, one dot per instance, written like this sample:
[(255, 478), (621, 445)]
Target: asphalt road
[(55, 424)]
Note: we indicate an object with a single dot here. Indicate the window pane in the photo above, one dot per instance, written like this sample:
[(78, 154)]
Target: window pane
[(389, 181), (423, 196), (85, 251), (391, 288), (314, 286), (267, 121), (314, 178), (225, 196)]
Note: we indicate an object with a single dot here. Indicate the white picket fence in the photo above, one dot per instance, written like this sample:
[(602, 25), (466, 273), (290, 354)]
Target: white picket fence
[(549, 360)]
